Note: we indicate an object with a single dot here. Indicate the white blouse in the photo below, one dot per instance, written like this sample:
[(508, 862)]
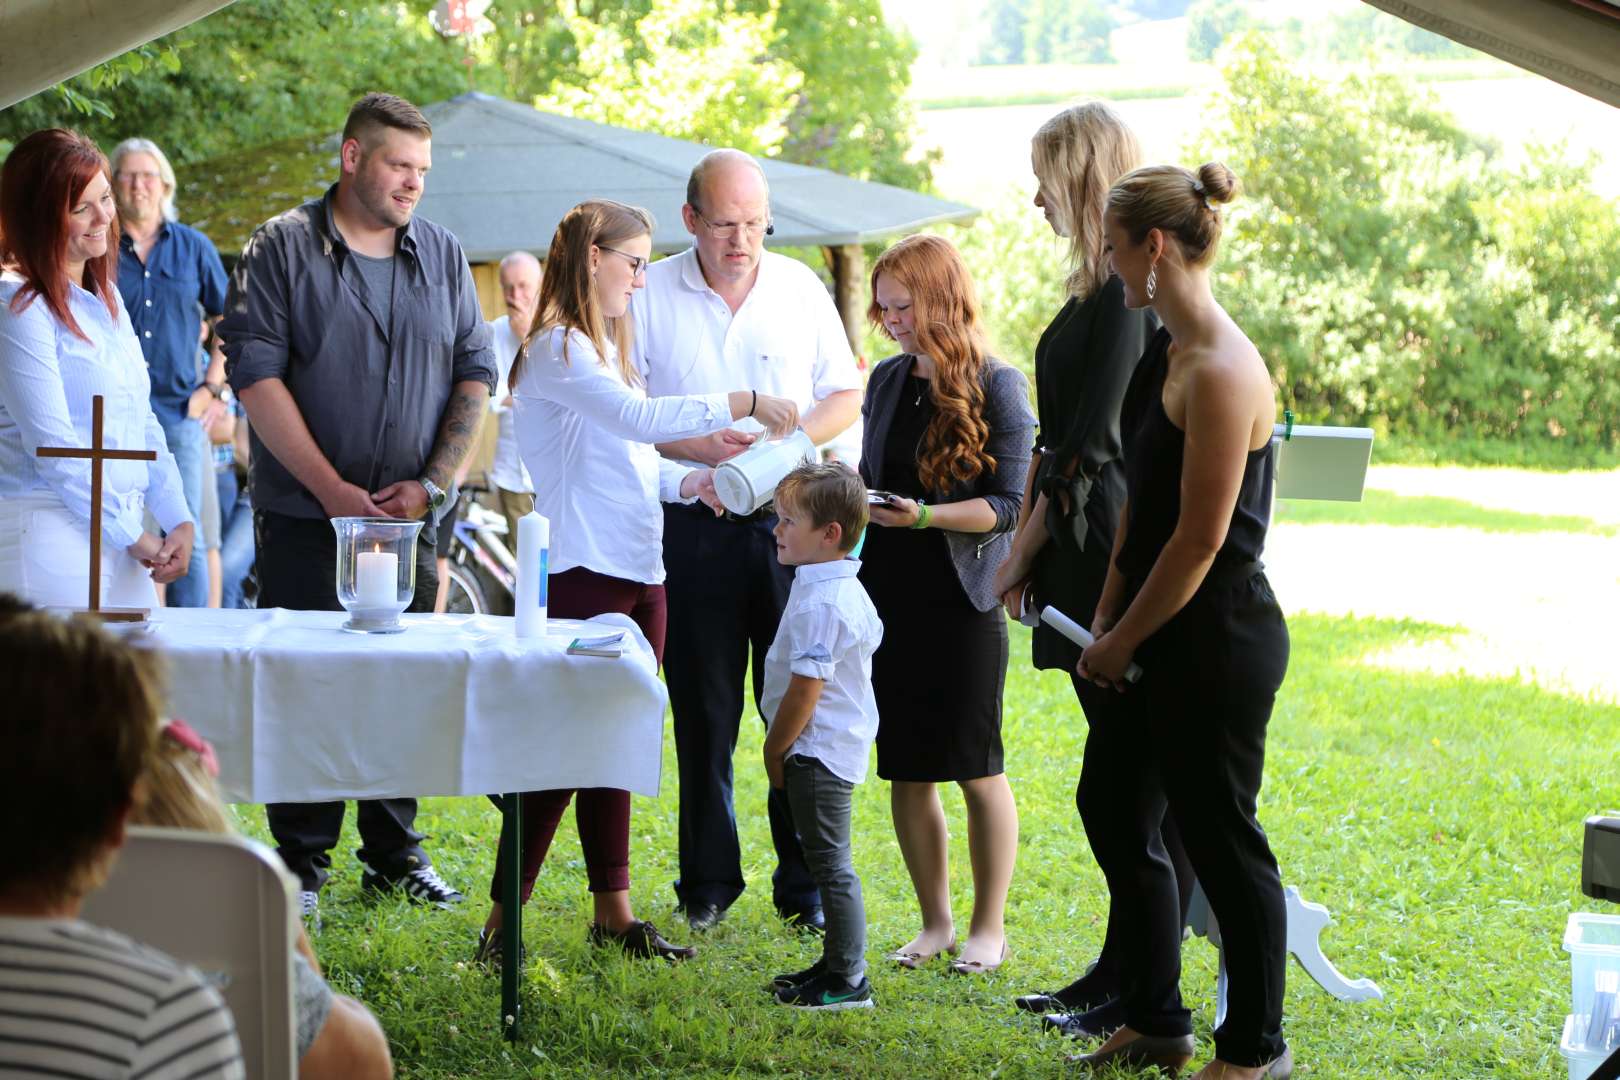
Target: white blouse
[(48, 376), (587, 440)]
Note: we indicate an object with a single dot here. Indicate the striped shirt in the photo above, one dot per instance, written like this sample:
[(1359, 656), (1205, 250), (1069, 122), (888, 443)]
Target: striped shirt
[(78, 1001)]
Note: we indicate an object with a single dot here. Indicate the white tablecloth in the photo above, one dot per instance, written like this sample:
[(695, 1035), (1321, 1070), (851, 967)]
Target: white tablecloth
[(300, 711)]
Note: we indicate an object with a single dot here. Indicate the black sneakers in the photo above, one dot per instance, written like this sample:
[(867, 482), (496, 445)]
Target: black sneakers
[(825, 993), (421, 885), (798, 978)]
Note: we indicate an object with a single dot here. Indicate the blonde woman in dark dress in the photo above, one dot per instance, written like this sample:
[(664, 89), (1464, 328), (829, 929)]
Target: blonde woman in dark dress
[(1076, 482)]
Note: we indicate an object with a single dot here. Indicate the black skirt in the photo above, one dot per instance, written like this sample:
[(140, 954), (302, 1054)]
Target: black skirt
[(938, 677)]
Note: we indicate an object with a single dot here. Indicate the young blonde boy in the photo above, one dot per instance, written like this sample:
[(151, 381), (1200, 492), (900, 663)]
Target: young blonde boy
[(823, 718)]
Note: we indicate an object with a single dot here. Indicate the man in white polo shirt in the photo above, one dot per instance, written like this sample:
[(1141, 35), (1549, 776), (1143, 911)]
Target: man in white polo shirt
[(520, 290), (722, 314)]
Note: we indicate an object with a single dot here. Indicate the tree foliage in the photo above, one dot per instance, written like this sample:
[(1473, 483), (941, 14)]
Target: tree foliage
[(1393, 274), (679, 71), (1211, 22), (817, 81), (1047, 32)]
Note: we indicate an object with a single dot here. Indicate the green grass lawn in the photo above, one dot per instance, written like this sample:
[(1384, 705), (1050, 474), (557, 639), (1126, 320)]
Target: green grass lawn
[(1430, 511), (1438, 817)]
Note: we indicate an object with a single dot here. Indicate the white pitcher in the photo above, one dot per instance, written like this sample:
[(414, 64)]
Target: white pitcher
[(748, 481)]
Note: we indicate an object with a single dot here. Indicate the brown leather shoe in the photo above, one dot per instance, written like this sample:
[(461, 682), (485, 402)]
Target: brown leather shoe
[(642, 939), (1170, 1053)]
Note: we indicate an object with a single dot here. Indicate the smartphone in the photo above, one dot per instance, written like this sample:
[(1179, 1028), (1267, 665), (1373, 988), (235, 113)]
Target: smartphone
[(880, 498)]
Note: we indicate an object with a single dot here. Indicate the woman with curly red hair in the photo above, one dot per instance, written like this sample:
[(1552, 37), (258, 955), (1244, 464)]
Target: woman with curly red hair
[(947, 440)]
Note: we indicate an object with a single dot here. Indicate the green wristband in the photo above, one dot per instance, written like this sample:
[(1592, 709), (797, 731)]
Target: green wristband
[(922, 516)]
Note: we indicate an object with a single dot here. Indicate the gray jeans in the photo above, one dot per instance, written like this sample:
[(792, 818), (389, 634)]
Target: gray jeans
[(820, 803)]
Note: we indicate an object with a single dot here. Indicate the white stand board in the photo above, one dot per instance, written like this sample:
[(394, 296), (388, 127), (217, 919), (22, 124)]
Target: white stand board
[(1322, 462)]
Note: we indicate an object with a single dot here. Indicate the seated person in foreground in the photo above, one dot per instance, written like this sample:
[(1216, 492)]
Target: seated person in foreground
[(78, 724), (818, 702), (338, 1038)]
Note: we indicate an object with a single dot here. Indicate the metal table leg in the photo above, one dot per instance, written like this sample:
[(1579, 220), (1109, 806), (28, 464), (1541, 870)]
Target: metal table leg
[(512, 909)]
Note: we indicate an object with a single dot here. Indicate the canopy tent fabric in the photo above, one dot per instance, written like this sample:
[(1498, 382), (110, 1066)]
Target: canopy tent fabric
[(43, 42), (1574, 42), (504, 174)]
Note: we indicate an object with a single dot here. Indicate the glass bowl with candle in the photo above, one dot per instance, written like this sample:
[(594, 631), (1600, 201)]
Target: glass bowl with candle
[(376, 571)]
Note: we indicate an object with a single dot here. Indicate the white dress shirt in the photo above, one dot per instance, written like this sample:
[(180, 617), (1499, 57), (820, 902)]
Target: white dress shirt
[(586, 438), (828, 631), (507, 470), (786, 339), (48, 376)]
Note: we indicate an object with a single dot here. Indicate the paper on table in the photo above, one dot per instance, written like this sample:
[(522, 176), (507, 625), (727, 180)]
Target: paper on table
[(604, 645), (1322, 462)]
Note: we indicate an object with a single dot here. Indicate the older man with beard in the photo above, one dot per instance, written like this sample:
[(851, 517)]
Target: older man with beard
[(520, 290), (354, 340)]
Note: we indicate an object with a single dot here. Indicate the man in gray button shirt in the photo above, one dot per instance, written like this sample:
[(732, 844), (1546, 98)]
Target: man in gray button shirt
[(354, 340)]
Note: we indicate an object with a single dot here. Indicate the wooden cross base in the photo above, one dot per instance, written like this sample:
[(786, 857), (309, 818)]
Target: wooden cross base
[(97, 454), (113, 614)]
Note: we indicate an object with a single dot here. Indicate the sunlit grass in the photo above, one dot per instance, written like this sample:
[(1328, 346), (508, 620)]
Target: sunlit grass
[(1438, 817)]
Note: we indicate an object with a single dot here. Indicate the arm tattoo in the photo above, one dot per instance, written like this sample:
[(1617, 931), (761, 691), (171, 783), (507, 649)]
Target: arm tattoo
[(458, 429)]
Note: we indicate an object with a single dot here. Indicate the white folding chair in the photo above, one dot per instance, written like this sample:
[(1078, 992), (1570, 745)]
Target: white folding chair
[(224, 905)]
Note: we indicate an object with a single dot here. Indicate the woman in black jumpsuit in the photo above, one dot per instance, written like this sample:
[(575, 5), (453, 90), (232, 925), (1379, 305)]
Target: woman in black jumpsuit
[(1186, 598)]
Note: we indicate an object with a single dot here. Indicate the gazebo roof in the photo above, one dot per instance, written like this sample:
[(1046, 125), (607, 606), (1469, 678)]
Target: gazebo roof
[(505, 173)]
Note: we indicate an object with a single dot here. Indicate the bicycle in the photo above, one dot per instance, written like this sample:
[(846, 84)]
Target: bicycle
[(482, 571)]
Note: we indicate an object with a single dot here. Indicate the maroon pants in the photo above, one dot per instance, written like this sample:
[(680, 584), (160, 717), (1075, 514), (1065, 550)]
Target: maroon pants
[(602, 814)]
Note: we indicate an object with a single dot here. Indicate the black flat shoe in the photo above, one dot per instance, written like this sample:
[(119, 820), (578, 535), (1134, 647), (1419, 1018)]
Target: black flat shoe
[(1085, 993), (1098, 1023), (641, 939), (701, 917), (1171, 1053), (809, 920), (1040, 1002)]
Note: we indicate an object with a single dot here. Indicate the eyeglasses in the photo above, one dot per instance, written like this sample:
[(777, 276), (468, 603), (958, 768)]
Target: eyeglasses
[(637, 263), (134, 177), (725, 230)]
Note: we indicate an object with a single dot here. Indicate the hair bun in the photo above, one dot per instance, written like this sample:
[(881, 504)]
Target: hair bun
[(1220, 183)]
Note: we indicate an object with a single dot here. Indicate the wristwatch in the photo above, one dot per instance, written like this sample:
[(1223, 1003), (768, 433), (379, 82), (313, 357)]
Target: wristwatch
[(435, 494)]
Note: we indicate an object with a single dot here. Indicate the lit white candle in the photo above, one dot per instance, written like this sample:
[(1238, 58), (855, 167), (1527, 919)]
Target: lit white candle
[(376, 579)]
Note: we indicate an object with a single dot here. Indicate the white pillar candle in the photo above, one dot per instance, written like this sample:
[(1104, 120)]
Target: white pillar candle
[(533, 554), (376, 579)]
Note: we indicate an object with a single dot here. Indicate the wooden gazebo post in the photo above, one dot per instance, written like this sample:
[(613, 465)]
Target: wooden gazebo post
[(848, 265)]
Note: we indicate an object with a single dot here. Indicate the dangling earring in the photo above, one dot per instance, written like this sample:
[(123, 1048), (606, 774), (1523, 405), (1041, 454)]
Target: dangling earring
[(1152, 281)]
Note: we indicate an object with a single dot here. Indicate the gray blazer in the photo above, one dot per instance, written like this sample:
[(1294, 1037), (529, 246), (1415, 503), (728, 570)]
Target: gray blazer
[(1012, 427)]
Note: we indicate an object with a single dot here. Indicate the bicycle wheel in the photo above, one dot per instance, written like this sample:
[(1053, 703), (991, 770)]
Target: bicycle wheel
[(465, 596)]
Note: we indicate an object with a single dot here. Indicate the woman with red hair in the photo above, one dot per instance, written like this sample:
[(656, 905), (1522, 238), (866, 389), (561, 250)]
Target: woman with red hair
[(947, 436), (65, 338)]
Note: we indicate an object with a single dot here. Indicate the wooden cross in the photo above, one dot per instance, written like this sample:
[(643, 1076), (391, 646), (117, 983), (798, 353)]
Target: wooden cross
[(97, 455)]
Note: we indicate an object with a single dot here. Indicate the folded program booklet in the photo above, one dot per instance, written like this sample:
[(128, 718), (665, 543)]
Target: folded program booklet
[(605, 645)]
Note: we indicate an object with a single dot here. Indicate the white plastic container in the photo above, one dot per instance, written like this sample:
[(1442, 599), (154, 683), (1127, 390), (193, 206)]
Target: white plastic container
[(1593, 944), (1582, 1062), (748, 481)]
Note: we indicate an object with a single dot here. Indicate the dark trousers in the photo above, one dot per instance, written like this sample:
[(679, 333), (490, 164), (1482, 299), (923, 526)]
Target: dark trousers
[(1192, 739), (726, 595), (297, 568), (602, 814), (1107, 709)]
